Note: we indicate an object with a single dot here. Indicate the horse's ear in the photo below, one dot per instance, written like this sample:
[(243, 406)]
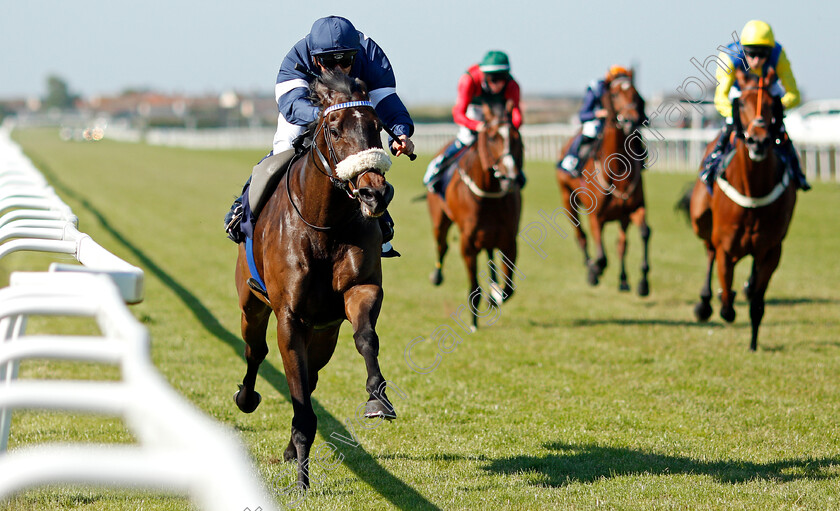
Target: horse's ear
[(321, 92), (771, 75), (740, 77), (509, 106), (361, 86)]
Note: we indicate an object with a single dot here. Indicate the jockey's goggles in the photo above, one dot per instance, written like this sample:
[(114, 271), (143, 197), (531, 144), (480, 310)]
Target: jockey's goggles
[(757, 51), (341, 59), (496, 77)]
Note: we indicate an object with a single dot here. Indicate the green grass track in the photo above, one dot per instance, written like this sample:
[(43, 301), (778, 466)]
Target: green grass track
[(575, 398)]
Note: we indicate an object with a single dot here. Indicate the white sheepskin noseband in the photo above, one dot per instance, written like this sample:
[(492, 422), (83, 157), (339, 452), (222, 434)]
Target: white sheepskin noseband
[(355, 164)]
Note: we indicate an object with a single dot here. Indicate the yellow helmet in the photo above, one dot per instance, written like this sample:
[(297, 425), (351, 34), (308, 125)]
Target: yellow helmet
[(757, 33), (617, 71)]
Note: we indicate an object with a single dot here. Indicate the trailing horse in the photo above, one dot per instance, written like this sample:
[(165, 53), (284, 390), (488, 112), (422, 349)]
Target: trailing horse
[(611, 186), (316, 248), (751, 205), (484, 200)]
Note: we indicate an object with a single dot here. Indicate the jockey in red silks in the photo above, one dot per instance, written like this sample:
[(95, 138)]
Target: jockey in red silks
[(756, 52), (488, 81)]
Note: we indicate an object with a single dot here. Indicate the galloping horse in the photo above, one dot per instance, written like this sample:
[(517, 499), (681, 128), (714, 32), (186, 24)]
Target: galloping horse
[(317, 247), (483, 198), (613, 191), (751, 205)]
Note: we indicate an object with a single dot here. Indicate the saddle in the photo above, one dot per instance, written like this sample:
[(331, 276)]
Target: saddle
[(265, 177), (719, 164), (448, 168)]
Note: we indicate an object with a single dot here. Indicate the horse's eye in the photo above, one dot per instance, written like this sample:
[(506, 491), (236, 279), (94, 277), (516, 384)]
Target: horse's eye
[(334, 132)]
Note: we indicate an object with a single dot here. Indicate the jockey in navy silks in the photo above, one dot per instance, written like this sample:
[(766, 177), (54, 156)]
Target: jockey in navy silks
[(592, 115), (333, 43)]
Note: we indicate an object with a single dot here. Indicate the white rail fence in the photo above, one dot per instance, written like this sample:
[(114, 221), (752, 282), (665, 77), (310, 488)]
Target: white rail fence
[(672, 150), (180, 449)]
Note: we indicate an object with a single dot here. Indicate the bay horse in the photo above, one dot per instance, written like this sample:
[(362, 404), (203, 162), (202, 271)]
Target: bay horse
[(610, 187), (751, 205), (317, 247), (483, 199)]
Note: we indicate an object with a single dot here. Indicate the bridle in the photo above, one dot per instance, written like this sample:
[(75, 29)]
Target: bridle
[(505, 181), (327, 168), (772, 130), (617, 117)]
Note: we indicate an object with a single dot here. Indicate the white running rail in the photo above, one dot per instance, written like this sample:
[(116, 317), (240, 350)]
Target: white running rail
[(179, 449)]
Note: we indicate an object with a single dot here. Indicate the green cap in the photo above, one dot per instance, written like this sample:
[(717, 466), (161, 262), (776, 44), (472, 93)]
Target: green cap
[(495, 62)]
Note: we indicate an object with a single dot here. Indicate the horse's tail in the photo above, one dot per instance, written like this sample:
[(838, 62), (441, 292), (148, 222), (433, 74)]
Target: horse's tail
[(683, 204)]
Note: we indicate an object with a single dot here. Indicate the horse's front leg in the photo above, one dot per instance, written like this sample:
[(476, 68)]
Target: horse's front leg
[(254, 322), (726, 271), (596, 267), (703, 308), (362, 305), (470, 256), (762, 271), (508, 260), (292, 338), (580, 236), (639, 218), (749, 285), (623, 285), (440, 229)]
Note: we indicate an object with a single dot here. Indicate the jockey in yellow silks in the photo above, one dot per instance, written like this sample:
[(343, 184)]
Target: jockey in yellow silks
[(756, 52)]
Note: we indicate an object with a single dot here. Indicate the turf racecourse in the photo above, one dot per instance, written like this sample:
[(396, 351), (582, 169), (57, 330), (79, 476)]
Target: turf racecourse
[(575, 398)]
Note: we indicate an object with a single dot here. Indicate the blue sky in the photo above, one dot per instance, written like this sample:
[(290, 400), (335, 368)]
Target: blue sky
[(208, 46)]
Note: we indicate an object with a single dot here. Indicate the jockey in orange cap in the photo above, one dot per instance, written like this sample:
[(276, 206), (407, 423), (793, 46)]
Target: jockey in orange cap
[(757, 53), (591, 115)]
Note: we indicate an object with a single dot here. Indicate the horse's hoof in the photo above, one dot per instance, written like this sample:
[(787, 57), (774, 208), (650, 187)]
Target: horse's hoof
[(727, 314), (247, 405), (382, 409), (436, 277), (703, 311), (290, 454), (623, 286), (644, 288), (601, 265), (592, 277)]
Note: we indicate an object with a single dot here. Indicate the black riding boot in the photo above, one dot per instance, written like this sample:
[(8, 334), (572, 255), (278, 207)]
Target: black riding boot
[(708, 172), (386, 224), (233, 218), (793, 158)]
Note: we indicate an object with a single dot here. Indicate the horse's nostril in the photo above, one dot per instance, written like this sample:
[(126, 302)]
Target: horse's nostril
[(366, 194)]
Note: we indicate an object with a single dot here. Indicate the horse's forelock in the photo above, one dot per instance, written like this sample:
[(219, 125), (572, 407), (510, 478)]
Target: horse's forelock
[(329, 84)]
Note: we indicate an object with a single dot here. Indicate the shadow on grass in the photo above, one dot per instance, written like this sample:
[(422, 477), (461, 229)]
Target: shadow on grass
[(589, 463), (798, 300), (359, 461), (641, 322)]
